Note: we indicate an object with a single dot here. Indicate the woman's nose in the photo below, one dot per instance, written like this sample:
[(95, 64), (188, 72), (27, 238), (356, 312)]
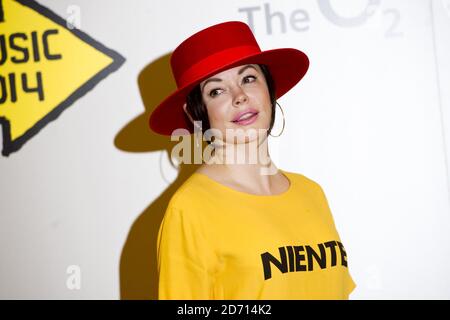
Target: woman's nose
[(240, 97)]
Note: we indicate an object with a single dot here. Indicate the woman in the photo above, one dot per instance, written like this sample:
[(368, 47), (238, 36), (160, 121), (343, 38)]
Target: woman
[(242, 229)]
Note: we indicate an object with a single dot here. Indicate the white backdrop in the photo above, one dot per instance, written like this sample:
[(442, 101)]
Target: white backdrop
[(80, 201)]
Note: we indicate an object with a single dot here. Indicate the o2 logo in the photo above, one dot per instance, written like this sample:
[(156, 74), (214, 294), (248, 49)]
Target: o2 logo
[(328, 11), (360, 19), (299, 19)]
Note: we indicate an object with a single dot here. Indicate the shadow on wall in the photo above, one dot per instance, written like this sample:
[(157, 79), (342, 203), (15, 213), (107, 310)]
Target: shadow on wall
[(138, 265)]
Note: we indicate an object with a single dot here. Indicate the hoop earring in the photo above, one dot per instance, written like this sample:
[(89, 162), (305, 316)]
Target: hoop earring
[(283, 123)]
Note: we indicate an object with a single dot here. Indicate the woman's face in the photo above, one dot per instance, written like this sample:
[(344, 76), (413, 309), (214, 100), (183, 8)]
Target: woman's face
[(238, 98)]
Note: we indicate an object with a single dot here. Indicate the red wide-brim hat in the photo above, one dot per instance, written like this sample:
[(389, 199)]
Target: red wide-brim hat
[(213, 50)]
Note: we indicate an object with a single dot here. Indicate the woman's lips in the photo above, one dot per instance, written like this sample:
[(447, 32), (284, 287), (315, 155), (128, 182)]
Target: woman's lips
[(248, 119), (245, 113)]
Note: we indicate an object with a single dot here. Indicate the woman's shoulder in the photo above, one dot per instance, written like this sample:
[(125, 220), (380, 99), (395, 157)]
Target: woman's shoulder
[(190, 193), (302, 180)]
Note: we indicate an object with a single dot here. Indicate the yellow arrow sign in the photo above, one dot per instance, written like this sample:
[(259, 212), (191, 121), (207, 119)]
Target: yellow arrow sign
[(44, 68)]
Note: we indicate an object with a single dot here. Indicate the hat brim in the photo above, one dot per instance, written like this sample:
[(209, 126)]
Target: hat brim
[(287, 67)]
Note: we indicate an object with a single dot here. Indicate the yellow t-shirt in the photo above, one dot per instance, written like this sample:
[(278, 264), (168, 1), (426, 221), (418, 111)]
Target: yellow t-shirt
[(215, 242)]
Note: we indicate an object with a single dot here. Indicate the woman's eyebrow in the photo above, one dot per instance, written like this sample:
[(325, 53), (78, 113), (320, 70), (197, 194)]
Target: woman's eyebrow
[(218, 79)]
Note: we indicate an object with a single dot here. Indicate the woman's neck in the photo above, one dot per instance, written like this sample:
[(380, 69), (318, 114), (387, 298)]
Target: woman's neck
[(246, 164)]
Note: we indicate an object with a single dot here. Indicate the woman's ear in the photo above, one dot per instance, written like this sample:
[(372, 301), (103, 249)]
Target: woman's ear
[(185, 111)]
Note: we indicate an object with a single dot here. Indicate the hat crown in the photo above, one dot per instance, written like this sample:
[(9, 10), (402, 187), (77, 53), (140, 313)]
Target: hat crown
[(210, 48)]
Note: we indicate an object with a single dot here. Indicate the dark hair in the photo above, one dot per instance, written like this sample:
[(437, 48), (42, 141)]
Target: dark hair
[(198, 112)]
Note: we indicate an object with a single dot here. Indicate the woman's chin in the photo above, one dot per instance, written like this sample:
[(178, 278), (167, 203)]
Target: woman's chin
[(235, 134), (247, 135)]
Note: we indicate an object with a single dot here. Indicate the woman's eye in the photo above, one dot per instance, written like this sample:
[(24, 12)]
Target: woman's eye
[(211, 93), (213, 90), (249, 77)]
